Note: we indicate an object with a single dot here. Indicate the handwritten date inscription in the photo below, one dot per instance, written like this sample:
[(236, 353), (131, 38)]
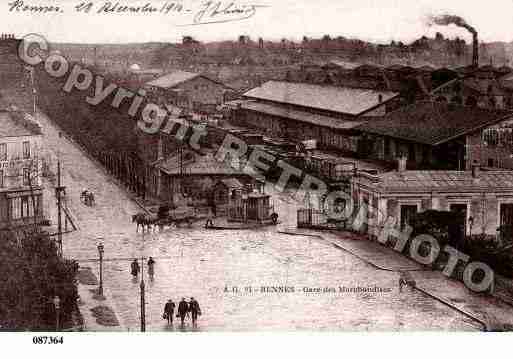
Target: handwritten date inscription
[(191, 12)]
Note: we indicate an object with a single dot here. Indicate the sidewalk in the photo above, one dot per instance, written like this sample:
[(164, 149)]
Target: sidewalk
[(99, 313), (493, 313)]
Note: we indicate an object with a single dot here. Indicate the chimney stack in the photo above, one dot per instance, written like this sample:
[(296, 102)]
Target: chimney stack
[(475, 51), (401, 164)]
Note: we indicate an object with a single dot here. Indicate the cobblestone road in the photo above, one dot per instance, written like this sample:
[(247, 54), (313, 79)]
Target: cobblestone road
[(199, 263)]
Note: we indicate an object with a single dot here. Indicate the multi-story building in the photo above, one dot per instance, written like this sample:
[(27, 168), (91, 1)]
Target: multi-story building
[(195, 93), (21, 197)]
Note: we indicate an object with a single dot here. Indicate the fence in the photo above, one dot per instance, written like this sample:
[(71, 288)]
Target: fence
[(307, 218), (317, 219)]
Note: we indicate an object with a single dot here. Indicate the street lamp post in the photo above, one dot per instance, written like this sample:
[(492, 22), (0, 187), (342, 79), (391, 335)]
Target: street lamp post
[(57, 305), (100, 252), (143, 300)]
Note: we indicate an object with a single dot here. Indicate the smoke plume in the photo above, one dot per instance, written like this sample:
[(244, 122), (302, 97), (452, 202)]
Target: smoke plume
[(444, 20)]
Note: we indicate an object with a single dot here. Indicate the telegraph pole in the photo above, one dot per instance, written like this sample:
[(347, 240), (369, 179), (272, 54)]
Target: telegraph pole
[(34, 92), (59, 205)]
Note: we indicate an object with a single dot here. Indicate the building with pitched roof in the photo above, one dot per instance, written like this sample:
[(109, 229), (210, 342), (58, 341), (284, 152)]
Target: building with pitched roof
[(21, 197), (474, 91), (432, 135), (300, 111), (483, 200), (193, 92), (188, 174)]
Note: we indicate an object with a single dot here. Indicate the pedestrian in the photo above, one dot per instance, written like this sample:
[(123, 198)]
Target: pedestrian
[(405, 279), (183, 309), (195, 310), (210, 222), (169, 310), (151, 269), (134, 268)]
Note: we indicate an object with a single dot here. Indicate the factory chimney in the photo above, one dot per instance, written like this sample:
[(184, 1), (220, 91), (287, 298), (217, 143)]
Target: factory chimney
[(444, 20), (475, 51)]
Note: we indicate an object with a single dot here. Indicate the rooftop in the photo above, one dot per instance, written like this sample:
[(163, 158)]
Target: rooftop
[(298, 115), (173, 79), (14, 124), (346, 100), (433, 123), (446, 181), (200, 165)]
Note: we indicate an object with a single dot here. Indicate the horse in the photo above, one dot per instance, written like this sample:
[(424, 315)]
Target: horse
[(142, 220)]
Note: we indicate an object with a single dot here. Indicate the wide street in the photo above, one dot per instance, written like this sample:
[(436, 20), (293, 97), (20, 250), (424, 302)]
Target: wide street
[(200, 263)]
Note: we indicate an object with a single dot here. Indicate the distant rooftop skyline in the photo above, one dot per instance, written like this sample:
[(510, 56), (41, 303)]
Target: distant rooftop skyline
[(372, 20)]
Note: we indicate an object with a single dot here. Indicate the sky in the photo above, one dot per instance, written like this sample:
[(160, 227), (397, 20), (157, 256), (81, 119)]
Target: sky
[(372, 20)]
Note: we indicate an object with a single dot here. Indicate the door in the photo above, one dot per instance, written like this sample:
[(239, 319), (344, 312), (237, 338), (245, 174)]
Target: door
[(506, 221), (408, 212), (458, 229)]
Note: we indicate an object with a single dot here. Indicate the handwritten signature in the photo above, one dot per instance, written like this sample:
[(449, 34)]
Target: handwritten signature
[(214, 12)]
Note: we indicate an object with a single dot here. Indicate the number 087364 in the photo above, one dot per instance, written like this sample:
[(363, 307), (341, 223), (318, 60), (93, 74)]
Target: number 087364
[(47, 340)]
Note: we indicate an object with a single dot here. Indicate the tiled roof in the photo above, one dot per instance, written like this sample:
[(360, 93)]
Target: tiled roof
[(173, 79), (14, 125), (201, 165), (302, 116), (433, 123), (347, 100), (453, 181)]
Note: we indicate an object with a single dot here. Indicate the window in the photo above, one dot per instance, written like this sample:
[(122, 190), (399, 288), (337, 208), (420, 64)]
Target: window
[(16, 208), (26, 149), (1, 178), (3, 151), (491, 137), (26, 177), (25, 207), (491, 162)]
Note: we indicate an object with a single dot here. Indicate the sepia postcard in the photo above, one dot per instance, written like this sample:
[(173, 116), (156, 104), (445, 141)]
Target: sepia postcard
[(255, 166)]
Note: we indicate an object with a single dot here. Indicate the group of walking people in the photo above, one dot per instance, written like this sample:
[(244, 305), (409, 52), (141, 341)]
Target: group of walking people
[(135, 268), (184, 309), (190, 309)]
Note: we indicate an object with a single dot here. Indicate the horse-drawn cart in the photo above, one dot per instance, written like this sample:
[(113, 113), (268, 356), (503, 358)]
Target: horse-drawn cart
[(166, 217)]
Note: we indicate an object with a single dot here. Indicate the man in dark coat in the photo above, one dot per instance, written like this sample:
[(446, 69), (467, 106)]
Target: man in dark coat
[(151, 267), (183, 309), (134, 268), (169, 311), (195, 310)]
